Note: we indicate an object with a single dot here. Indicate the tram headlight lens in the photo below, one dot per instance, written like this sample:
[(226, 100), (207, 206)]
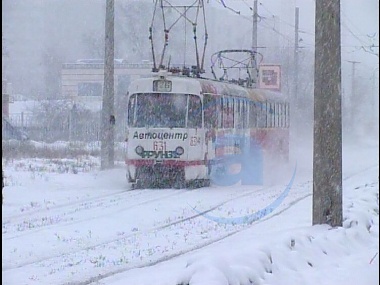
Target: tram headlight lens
[(179, 150), (139, 150)]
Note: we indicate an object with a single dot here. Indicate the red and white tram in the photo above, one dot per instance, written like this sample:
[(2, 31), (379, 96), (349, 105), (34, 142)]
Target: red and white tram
[(180, 128)]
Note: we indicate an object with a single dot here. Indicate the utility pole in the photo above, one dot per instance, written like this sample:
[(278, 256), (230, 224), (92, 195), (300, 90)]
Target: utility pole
[(327, 154), (254, 27), (296, 41), (353, 100), (254, 42), (108, 117), (295, 118)]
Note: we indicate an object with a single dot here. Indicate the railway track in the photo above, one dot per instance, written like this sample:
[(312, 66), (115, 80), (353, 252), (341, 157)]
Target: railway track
[(150, 255)]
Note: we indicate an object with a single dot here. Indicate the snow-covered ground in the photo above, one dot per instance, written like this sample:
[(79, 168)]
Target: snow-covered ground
[(66, 222)]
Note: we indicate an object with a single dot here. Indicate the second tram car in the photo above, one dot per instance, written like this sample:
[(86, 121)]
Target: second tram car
[(180, 129)]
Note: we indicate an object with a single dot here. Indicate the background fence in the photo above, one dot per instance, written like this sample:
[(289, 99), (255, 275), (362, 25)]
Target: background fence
[(69, 128), (58, 136)]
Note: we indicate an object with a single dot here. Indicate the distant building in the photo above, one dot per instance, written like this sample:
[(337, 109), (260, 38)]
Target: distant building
[(82, 81)]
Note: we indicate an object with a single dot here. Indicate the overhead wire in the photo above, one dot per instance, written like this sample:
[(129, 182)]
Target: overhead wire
[(365, 46)]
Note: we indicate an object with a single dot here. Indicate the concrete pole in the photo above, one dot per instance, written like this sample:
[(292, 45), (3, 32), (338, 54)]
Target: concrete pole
[(108, 117), (296, 41), (254, 43), (327, 156)]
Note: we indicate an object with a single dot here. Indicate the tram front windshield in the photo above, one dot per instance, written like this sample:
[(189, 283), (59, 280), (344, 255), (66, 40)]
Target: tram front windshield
[(163, 110)]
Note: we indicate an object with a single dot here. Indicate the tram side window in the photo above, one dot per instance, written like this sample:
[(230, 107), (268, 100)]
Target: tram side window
[(268, 112), (221, 117), (252, 115), (276, 115), (273, 114), (270, 115), (224, 112), (240, 114), (245, 114), (228, 113), (131, 110), (287, 114), (262, 115), (282, 121), (194, 112), (237, 111), (210, 105), (219, 112)]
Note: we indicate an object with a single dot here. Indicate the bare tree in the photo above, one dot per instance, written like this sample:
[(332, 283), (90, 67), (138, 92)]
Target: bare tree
[(94, 44), (132, 20)]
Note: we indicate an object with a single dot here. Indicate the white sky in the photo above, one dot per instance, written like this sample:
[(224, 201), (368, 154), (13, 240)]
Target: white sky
[(29, 34), (359, 24), (59, 227)]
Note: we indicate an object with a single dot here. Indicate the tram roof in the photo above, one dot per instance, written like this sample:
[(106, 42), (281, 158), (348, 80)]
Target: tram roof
[(185, 84)]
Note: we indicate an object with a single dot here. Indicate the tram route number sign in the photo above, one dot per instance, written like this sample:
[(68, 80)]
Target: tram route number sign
[(159, 146), (162, 86)]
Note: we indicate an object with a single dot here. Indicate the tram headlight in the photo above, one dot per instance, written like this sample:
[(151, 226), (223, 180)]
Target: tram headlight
[(179, 150), (139, 150)]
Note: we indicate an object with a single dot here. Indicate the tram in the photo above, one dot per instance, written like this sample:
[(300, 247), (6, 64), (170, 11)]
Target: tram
[(187, 131)]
